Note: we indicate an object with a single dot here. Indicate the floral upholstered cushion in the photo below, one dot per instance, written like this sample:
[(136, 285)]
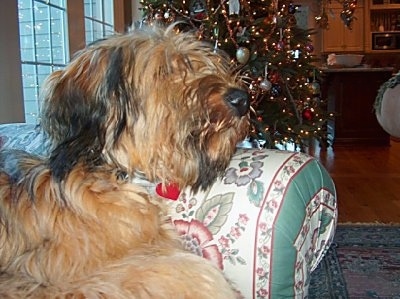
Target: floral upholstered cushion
[(267, 223)]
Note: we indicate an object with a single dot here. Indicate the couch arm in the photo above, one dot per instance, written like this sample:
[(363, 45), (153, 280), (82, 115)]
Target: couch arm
[(267, 223)]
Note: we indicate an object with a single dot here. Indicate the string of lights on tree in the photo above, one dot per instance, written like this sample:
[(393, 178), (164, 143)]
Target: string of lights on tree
[(273, 55)]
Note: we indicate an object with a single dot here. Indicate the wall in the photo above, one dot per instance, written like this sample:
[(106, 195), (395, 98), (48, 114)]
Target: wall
[(383, 60), (313, 9), (11, 98), (136, 13)]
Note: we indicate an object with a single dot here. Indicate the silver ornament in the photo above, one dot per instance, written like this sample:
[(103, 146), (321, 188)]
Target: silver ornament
[(265, 84), (242, 55)]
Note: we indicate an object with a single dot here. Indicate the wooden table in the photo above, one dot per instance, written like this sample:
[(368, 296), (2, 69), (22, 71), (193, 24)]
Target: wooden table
[(350, 93)]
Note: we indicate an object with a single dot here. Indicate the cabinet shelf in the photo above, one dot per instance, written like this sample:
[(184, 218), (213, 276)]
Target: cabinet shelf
[(384, 6), (388, 32), (389, 20), (385, 2), (383, 51)]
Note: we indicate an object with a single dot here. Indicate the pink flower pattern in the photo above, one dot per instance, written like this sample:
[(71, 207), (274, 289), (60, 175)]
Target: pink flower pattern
[(197, 238)]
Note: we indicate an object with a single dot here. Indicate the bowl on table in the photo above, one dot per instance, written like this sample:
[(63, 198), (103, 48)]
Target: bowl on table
[(348, 60)]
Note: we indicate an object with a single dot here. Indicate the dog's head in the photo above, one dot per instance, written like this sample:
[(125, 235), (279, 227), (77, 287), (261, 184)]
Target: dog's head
[(152, 100)]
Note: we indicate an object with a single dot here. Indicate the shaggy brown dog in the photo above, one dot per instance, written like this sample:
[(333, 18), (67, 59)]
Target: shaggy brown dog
[(152, 103)]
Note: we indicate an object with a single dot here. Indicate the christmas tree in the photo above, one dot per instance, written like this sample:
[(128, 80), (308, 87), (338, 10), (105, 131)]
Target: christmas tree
[(272, 53)]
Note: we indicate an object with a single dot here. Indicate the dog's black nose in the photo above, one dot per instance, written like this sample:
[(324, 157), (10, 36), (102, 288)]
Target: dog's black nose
[(238, 99)]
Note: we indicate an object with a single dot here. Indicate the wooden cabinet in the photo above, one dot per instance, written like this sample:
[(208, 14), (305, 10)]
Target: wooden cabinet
[(350, 94), (339, 38), (381, 17)]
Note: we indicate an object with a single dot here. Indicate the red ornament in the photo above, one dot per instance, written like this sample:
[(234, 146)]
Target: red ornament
[(307, 114), (200, 16), (274, 77)]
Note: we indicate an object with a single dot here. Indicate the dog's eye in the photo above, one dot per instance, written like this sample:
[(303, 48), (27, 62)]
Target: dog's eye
[(122, 176)]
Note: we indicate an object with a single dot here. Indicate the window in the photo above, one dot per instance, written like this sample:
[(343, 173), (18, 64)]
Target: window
[(44, 44), (44, 40), (99, 19)]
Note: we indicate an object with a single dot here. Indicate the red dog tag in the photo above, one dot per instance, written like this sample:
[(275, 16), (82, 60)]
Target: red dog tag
[(170, 191)]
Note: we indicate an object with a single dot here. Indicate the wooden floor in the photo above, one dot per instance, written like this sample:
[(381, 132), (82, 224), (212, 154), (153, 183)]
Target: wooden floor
[(367, 181)]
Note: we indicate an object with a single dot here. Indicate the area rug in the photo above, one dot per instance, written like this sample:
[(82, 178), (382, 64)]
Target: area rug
[(363, 262)]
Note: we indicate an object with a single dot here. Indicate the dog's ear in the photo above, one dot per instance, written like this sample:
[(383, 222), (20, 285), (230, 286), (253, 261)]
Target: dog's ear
[(119, 94), (80, 103)]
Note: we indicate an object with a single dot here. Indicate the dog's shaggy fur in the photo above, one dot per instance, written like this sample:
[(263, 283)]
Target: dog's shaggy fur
[(76, 225)]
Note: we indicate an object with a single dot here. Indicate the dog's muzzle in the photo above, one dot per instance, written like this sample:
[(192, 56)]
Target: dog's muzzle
[(238, 99)]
